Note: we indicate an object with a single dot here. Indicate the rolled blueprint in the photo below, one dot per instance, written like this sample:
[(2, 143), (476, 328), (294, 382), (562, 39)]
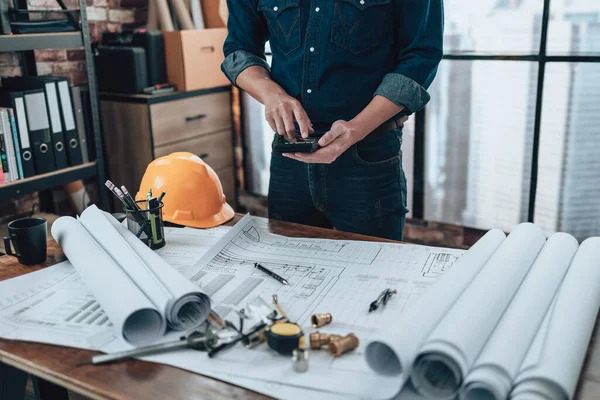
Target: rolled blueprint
[(394, 351), (187, 306), (183, 304), (496, 367), (180, 304), (448, 354), (553, 364), (130, 311)]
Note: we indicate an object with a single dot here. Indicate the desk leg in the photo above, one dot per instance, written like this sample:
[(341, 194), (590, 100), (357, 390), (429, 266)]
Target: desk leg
[(45, 390), (12, 382)]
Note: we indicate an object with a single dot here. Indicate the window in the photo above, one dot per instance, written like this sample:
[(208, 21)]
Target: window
[(574, 27), (493, 26), (568, 194), (512, 132), (478, 143)]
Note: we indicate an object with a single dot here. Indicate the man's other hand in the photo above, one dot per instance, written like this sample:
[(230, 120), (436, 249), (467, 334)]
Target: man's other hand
[(333, 144), (281, 110)]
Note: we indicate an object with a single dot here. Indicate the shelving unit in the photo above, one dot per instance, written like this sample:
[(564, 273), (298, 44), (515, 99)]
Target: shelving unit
[(38, 41), (64, 40)]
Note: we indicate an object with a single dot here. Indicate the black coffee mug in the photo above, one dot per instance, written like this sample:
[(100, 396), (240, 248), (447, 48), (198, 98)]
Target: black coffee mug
[(28, 237)]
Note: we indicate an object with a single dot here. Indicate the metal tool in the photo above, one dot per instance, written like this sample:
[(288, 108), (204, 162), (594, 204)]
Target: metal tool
[(382, 299), (196, 340), (241, 338)]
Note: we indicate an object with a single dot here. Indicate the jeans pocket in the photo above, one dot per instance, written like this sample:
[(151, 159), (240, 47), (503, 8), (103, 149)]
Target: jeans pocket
[(283, 19), (380, 150), (358, 25)]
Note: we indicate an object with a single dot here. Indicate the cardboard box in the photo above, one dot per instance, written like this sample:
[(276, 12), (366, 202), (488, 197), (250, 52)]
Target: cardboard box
[(194, 58)]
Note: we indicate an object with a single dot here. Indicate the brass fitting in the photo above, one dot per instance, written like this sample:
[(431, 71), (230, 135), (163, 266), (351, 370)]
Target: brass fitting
[(319, 320), (319, 340), (343, 345)]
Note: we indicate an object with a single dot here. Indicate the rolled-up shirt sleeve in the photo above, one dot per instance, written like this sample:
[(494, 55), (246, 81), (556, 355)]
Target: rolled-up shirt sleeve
[(245, 43), (420, 31)]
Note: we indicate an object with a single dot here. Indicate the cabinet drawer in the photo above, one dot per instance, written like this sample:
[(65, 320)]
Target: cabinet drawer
[(228, 182), (177, 120), (215, 148)]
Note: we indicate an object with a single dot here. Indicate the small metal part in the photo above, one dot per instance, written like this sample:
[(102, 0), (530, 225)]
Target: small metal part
[(242, 313), (343, 345), (255, 338), (300, 360), (389, 293), (319, 320), (215, 320), (382, 298), (319, 340)]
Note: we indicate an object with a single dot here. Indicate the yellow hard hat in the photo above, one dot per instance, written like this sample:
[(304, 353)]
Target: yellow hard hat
[(194, 193)]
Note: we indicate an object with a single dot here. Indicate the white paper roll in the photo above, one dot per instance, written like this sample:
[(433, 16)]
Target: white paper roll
[(394, 351), (552, 366), (187, 306), (136, 318), (493, 373), (448, 354)]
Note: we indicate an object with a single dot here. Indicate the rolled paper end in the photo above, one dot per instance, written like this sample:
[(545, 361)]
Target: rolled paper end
[(436, 376)]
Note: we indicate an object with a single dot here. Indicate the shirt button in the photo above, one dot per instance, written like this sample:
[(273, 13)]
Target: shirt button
[(277, 8), (312, 49), (309, 91), (317, 9), (362, 1)]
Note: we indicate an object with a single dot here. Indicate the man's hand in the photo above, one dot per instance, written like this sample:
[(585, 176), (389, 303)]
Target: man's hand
[(281, 110), (336, 141)]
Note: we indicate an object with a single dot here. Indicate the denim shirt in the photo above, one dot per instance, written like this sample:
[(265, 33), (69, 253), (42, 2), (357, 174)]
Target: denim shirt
[(335, 55)]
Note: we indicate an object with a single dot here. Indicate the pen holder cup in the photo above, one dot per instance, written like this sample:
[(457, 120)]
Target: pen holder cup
[(147, 224)]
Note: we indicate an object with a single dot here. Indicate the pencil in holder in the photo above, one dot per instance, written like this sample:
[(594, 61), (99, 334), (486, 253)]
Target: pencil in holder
[(147, 224)]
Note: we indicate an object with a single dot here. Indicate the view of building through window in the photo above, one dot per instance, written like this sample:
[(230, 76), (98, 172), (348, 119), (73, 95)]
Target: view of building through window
[(480, 122)]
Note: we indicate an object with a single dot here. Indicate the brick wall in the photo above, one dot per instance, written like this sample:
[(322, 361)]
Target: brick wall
[(70, 63)]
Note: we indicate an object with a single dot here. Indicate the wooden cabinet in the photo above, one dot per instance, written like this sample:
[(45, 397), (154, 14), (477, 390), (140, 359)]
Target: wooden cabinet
[(140, 128)]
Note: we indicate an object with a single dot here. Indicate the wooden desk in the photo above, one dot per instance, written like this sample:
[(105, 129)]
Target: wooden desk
[(143, 380)]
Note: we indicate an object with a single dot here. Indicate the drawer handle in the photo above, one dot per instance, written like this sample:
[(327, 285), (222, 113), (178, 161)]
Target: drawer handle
[(207, 49), (195, 117)]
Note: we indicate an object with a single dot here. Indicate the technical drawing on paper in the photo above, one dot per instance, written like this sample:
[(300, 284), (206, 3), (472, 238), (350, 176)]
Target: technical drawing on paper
[(252, 239), (326, 276), (57, 307), (437, 263)]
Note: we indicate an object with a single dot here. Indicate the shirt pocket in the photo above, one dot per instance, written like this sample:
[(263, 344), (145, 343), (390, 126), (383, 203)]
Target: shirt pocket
[(283, 19), (358, 25)]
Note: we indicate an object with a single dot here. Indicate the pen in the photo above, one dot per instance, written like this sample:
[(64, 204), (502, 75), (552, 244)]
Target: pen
[(111, 186), (154, 234), (271, 273), (162, 195), (129, 198)]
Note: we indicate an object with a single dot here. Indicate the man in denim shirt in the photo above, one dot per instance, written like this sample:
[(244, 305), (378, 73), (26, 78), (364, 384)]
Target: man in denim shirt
[(348, 71)]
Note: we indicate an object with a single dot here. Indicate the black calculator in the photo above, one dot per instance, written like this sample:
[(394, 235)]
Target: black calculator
[(299, 145)]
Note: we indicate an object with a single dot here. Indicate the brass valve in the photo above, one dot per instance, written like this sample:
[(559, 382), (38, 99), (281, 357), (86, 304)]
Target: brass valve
[(343, 345), (319, 320)]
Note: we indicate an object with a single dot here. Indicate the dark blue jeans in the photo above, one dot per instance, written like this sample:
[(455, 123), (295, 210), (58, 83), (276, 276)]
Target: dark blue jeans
[(363, 191)]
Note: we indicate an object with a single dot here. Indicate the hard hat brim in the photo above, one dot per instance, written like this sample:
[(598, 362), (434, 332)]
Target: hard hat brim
[(226, 214)]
